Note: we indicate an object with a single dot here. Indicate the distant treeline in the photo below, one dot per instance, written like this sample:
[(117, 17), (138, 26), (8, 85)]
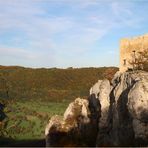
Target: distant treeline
[(49, 84)]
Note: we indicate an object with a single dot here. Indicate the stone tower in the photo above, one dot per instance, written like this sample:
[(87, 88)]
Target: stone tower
[(129, 50)]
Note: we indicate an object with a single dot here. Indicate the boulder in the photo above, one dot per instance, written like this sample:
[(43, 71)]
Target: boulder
[(74, 129)]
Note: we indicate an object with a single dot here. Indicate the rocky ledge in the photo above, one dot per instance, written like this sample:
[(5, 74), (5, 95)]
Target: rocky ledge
[(115, 114)]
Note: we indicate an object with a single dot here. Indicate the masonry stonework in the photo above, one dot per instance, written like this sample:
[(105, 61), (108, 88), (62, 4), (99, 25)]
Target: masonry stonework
[(129, 50)]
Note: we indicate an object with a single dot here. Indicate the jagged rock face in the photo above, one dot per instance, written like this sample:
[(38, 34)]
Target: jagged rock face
[(138, 106), (115, 114), (127, 122)]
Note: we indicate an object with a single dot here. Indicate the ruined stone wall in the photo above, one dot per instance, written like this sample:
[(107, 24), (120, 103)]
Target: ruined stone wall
[(130, 48)]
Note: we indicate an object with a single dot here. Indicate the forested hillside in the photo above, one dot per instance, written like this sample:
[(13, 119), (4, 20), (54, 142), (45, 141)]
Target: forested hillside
[(49, 84)]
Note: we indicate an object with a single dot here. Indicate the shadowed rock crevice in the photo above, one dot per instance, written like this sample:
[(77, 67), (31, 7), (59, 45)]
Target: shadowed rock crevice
[(95, 114), (125, 128)]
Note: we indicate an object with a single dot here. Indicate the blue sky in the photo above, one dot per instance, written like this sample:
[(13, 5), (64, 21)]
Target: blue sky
[(68, 33)]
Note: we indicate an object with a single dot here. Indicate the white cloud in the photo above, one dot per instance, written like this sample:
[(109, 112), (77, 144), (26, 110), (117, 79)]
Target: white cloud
[(19, 56), (17, 53)]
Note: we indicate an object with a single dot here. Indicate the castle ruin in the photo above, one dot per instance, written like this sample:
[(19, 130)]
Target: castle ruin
[(130, 49)]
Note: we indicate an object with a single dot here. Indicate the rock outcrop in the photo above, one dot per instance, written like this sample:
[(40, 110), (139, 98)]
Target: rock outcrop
[(74, 129), (115, 114)]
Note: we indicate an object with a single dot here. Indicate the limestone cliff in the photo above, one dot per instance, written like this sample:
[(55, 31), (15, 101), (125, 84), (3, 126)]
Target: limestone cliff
[(115, 114)]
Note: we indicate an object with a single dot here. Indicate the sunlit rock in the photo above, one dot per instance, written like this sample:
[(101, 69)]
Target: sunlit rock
[(71, 130)]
